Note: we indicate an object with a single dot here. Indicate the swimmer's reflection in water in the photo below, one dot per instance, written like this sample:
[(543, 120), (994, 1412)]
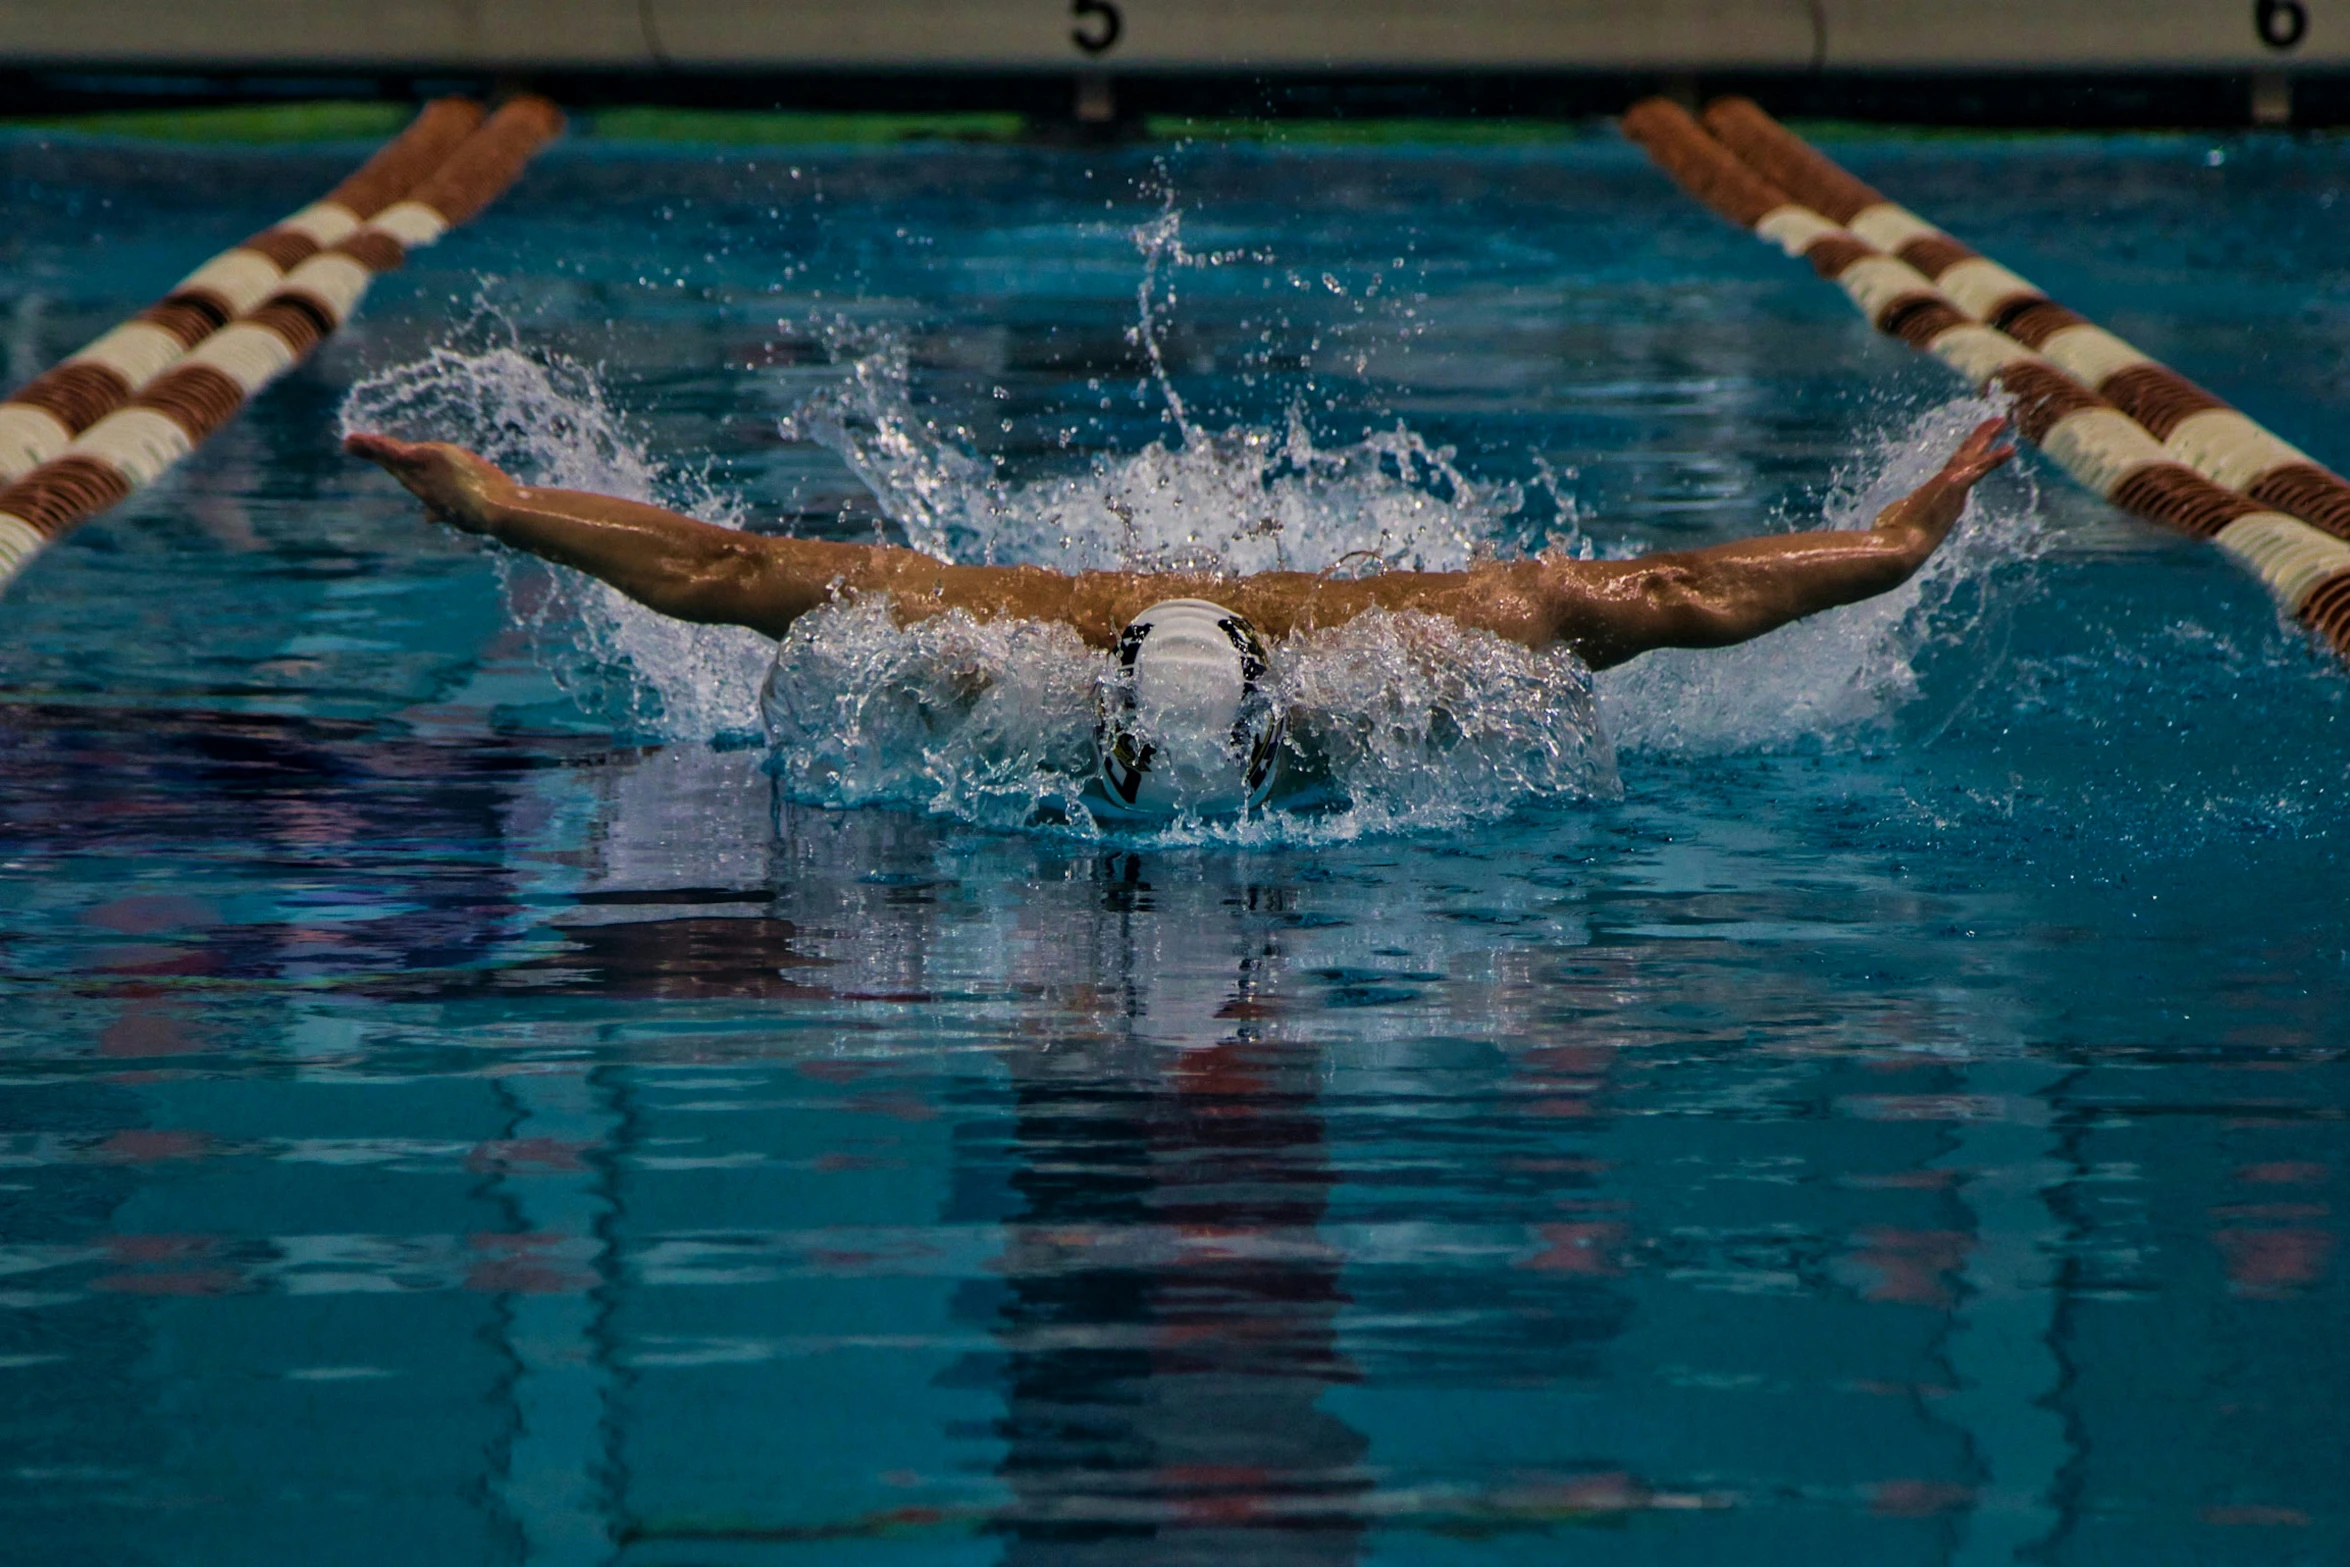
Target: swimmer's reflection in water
[(1168, 1322), (1183, 728)]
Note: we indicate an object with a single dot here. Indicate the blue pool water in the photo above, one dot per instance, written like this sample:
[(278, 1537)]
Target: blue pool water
[(1872, 1096)]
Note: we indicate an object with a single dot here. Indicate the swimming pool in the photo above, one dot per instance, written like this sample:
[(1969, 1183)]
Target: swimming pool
[(465, 1103)]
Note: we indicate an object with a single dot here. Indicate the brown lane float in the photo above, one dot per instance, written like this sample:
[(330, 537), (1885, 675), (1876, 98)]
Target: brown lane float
[(202, 389), (2084, 433), (2196, 427), (41, 419)]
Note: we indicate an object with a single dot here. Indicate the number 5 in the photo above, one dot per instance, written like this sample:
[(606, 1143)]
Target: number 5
[(1099, 39), (2280, 23)]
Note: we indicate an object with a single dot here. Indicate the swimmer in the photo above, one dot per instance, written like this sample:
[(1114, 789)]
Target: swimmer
[(1606, 611)]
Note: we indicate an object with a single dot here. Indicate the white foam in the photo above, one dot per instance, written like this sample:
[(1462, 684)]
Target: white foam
[(1397, 722), (1248, 498), (991, 722), (550, 422), (1421, 723), (1846, 671), (1404, 722)]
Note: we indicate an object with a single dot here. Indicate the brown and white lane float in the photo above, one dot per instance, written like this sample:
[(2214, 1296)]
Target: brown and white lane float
[(2197, 428), (40, 420), (204, 388), (2084, 433)]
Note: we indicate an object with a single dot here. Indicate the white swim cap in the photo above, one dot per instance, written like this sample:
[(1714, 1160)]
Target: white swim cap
[(1187, 720)]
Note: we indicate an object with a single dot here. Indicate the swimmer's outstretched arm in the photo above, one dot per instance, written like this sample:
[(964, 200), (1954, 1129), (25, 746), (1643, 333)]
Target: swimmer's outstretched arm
[(687, 569), (1608, 611), (1730, 593)]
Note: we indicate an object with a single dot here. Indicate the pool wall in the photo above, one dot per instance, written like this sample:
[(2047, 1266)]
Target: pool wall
[(2065, 61), (1316, 35)]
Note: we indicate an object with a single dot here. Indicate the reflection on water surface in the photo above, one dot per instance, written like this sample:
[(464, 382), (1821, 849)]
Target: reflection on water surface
[(444, 1124), (1114, 1206)]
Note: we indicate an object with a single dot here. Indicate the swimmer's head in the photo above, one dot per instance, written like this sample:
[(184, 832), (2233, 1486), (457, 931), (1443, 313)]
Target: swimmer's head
[(1188, 722)]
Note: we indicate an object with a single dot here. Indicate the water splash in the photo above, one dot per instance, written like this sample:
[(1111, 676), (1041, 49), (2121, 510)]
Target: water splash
[(988, 721), (1244, 499), (1161, 244), (1418, 723), (1847, 670), (1397, 722), (549, 421)]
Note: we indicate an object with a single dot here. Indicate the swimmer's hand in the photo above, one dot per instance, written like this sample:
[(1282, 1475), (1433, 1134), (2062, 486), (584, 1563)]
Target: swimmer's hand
[(1980, 453), (458, 488), (1921, 520)]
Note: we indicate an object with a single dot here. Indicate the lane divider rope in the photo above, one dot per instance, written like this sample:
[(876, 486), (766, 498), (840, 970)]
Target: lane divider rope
[(2086, 434), (2194, 426), (40, 419), (174, 412)]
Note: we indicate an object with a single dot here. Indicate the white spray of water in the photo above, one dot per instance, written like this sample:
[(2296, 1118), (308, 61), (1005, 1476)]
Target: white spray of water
[(1398, 722), (988, 721), (1844, 670), (550, 422), (1420, 723), (1241, 500)]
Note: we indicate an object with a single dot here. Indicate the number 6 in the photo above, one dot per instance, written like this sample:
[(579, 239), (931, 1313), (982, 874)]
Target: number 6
[(2280, 23)]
